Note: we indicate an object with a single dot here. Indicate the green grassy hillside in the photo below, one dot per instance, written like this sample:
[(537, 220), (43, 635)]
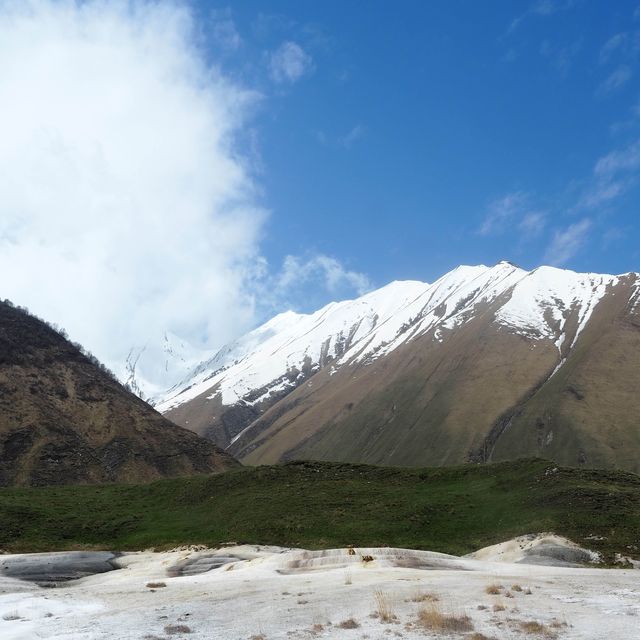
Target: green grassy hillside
[(314, 505)]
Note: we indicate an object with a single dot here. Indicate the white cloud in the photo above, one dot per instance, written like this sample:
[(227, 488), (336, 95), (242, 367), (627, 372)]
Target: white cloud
[(289, 62), (320, 270), (567, 242), (297, 271), (125, 206)]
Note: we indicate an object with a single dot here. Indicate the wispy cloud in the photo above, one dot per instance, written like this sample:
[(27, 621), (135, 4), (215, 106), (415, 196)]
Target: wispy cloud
[(560, 56), (533, 223), (346, 141), (567, 242), (356, 133), (223, 30), (613, 174), (512, 210), (622, 160), (615, 80), (613, 44), (549, 7), (289, 62), (540, 8)]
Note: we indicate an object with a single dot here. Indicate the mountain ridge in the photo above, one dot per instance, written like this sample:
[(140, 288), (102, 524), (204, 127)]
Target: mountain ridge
[(252, 391)]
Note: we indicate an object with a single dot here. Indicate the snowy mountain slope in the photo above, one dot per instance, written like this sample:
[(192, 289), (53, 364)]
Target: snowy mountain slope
[(168, 359), (277, 354), (252, 384)]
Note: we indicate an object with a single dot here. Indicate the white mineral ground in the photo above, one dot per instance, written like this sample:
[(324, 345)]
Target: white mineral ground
[(267, 592)]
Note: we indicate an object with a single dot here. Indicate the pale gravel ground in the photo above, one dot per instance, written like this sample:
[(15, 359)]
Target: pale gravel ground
[(254, 597)]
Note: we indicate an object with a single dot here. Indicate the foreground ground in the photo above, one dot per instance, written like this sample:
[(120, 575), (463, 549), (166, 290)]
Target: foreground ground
[(263, 593)]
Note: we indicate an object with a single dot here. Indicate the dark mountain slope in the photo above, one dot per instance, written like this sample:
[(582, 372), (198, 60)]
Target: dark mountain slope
[(65, 419)]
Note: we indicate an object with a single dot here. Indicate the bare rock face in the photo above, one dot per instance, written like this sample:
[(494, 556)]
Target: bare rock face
[(65, 419), (487, 363)]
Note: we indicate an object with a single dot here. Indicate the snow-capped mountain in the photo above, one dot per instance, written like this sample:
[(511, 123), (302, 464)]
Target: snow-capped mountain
[(256, 385), (168, 360)]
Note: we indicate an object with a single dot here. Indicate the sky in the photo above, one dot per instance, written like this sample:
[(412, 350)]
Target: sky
[(192, 168)]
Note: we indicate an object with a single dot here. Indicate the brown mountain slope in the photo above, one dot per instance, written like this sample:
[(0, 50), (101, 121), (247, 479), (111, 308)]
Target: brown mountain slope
[(589, 411), (64, 419), (483, 393), (505, 369)]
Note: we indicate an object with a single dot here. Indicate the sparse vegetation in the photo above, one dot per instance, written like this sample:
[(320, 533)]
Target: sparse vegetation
[(516, 587), (493, 589), (350, 623), (175, 629), (384, 608), (425, 597), (432, 617), (156, 585), (294, 504), (536, 628), (13, 615)]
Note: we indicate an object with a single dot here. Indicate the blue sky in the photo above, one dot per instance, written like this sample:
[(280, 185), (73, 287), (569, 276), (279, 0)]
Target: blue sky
[(191, 168), (415, 136)]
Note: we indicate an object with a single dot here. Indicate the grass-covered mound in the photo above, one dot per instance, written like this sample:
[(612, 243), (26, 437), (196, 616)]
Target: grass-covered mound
[(316, 505)]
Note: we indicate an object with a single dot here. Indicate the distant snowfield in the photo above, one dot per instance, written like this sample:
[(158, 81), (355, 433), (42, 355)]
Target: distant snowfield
[(267, 593)]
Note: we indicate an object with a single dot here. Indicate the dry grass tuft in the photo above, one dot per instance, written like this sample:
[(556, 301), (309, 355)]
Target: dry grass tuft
[(14, 615), (425, 597), (516, 587), (479, 636), (431, 617), (349, 624), (384, 608), (175, 629), (498, 607), (493, 589), (536, 628), (156, 585)]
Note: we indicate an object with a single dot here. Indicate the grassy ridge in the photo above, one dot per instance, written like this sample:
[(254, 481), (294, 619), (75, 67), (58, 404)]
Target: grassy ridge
[(314, 505)]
